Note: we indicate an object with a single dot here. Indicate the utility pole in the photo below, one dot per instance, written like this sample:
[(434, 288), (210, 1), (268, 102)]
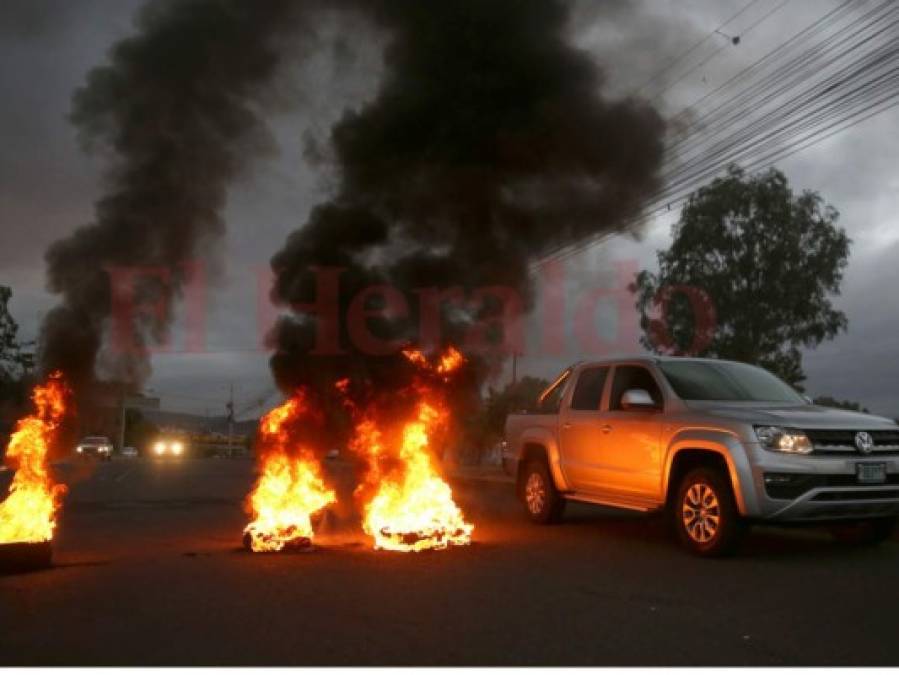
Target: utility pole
[(230, 408), (515, 356), (123, 420)]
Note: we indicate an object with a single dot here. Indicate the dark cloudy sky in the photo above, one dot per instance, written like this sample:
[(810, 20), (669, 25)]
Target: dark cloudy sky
[(48, 184)]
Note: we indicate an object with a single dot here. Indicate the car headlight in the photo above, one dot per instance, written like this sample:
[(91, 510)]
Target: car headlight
[(177, 447), (159, 448), (79, 449), (780, 439)]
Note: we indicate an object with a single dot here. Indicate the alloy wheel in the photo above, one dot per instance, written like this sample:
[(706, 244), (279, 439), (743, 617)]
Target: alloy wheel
[(535, 493), (701, 513)]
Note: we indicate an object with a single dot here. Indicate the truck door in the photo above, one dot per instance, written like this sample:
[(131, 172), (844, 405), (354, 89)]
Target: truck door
[(632, 459), (581, 431)]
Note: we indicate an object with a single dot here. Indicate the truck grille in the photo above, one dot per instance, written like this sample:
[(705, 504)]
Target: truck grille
[(842, 442)]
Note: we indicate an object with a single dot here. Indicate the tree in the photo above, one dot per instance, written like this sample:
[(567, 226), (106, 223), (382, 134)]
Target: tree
[(489, 425), (749, 275), (16, 357)]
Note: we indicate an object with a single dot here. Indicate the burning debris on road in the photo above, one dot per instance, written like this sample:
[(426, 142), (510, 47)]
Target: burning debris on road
[(28, 514), (413, 507), (290, 489), (406, 505)]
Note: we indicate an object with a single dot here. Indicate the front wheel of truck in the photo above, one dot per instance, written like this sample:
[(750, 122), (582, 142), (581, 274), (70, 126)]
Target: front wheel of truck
[(542, 501), (705, 515)]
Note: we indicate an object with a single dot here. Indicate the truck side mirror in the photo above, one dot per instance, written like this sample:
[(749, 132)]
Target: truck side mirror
[(637, 399)]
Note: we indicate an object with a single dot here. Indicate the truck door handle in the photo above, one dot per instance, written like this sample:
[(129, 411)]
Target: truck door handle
[(605, 428)]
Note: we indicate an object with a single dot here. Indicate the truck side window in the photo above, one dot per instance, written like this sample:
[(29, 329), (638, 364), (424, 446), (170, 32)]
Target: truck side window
[(549, 403), (588, 391), (633, 377)]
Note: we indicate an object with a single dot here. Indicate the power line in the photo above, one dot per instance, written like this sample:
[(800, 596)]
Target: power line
[(830, 85), (695, 46), (794, 42), (699, 65)]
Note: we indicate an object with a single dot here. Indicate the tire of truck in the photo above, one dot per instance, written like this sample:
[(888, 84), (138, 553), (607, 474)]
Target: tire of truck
[(869, 532), (704, 513), (542, 501)]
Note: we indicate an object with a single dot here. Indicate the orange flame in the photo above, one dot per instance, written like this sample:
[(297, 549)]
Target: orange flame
[(28, 514), (412, 507), (290, 489), (450, 361)]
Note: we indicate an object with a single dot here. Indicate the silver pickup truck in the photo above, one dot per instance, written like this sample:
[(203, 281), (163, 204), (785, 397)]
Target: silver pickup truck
[(716, 444)]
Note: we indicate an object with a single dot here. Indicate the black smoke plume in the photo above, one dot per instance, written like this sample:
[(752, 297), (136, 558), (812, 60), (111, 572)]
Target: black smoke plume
[(489, 142), (175, 112)]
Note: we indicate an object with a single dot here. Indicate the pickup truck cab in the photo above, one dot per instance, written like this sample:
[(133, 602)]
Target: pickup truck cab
[(716, 444)]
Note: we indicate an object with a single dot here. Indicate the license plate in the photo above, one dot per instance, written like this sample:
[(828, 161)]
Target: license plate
[(871, 473)]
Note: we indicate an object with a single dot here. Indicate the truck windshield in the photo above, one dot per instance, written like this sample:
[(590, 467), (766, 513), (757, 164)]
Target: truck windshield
[(722, 381)]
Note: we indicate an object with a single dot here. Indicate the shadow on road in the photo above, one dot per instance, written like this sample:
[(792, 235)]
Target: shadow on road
[(761, 543)]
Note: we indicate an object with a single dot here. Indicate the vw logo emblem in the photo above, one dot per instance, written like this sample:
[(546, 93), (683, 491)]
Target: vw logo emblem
[(864, 442)]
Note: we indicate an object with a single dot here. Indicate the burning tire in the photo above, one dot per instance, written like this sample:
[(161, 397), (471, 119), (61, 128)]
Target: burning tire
[(542, 501), (294, 545), (25, 557)]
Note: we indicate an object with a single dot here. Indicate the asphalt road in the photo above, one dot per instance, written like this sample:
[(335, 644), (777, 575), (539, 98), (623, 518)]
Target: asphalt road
[(148, 572)]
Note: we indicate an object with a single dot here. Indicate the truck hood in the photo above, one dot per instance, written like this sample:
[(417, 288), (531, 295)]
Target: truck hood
[(792, 415)]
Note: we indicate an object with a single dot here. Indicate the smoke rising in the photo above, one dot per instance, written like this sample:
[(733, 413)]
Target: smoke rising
[(175, 113), (488, 143)]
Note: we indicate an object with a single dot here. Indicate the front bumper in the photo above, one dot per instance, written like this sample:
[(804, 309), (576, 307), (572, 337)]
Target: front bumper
[(94, 452), (827, 489)]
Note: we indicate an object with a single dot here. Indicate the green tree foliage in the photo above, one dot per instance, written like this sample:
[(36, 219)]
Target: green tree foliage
[(749, 275), (16, 357), (490, 424)]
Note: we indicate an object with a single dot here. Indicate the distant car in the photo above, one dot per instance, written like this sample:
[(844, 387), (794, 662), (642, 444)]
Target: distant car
[(169, 447), (97, 447), (129, 452)]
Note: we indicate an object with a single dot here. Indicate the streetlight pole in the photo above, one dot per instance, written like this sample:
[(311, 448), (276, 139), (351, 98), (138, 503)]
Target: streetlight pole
[(122, 421), (515, 356), (230, 419)]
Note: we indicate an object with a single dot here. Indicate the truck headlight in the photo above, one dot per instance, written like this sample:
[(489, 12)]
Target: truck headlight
[(159, 448), (79, 449), (780, 439), (177, 447)]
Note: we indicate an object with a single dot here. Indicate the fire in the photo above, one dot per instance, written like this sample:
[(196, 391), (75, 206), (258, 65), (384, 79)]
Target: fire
[(410, 508), (28, 515), (290, 489), (450, 361)]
